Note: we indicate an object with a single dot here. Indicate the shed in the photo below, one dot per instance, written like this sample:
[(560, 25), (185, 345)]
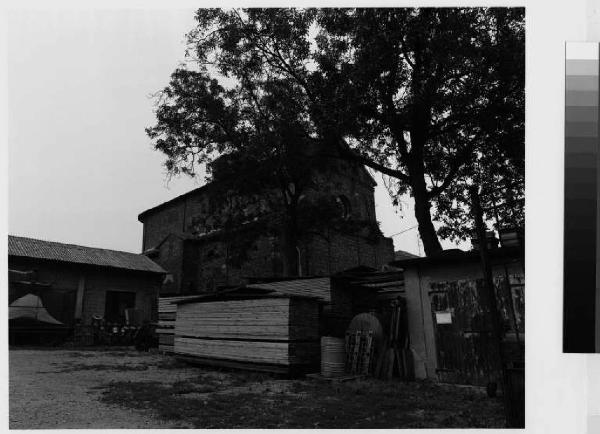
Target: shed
[(449, 328), (76, 283)]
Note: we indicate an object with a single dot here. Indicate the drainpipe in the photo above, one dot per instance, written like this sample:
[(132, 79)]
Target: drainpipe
[(299, 262)]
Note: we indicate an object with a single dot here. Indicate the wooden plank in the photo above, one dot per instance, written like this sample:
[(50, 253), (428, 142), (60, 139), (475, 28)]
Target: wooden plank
[(166, 340), (244, 351), (166, 324), (222, 363), (242, 319), (250, 331), (165, 331), (284, 353)]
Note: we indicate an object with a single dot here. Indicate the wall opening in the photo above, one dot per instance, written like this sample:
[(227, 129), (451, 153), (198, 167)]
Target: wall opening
[(116, 303)]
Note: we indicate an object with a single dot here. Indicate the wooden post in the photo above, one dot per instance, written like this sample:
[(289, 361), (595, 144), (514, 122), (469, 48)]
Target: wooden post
[(79, 299), (488, 280)]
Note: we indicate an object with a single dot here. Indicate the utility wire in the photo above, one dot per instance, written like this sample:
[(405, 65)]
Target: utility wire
[(405, 230)]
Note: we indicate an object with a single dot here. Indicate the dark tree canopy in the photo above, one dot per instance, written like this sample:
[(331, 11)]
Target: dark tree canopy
[(431, 97)]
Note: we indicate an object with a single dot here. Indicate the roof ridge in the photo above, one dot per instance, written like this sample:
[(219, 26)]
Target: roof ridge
[(73, 245), (172, 200), (19, 246)]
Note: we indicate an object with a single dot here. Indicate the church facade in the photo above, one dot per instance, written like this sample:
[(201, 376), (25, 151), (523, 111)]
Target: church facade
[(189, 236)]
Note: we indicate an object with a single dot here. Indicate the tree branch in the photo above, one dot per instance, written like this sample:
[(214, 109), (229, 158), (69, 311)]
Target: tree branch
[(455, 165), (348, 154)]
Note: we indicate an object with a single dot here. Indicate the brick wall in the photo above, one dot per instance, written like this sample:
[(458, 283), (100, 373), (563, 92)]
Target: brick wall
[(170, 258), (65, 278), (340, 252), (204, 265), (162, 223), (217, 263), (97, 283)]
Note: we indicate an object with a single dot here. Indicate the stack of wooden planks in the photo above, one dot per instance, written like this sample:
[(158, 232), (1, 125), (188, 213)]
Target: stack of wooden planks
[(277, 333), (318, 287), (167, 312)]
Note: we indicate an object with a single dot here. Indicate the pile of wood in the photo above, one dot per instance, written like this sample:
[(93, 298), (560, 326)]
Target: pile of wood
[(277, 333), (167, 312), (396, 359)]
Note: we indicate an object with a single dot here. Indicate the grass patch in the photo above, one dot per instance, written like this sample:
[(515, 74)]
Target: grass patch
[(308, 404), (186, 387), (72, 367), (240, 378), (125, 354), (171, 363), (81, 354)]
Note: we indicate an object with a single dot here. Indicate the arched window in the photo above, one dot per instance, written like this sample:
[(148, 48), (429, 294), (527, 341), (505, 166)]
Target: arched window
[(344, 206)]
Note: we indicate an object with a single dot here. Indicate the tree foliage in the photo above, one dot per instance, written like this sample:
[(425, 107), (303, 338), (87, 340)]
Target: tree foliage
[(432, 98)]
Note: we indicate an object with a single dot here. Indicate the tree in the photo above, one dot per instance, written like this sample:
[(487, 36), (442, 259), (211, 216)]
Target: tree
[(251, 140), (425, 96), (437, 98)]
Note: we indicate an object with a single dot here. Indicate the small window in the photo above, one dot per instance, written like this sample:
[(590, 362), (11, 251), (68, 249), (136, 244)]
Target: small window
[(116, 303), (344, 206)]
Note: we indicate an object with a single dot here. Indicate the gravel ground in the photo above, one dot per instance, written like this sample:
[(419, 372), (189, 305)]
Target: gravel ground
[(61, 388), (122, 388)]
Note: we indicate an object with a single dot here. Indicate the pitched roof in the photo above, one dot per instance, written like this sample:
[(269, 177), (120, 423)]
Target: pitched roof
[(241, 294), (454, 256), (319, 287), (400, 255), (142, 216), (176, 199), (373, 279), (71, 253)]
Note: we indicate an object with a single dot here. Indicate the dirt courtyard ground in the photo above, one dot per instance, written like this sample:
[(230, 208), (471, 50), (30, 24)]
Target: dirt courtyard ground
[(121, 388)]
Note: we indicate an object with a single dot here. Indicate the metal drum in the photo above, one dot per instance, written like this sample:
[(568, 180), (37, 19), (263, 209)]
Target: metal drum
[(333, 356)]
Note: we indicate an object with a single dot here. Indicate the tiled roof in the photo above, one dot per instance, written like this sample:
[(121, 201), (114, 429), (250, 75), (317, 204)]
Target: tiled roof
[(315, 287), (71, 253)]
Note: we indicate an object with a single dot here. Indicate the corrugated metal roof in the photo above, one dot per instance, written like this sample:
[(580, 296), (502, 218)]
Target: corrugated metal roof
[(319, 287), (53, 251)]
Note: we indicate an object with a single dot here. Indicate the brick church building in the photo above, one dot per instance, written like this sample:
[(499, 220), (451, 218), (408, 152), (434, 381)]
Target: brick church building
[(186, 235)]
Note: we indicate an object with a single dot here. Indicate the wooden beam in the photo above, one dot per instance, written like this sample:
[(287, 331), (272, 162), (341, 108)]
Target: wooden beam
[(79, 299)]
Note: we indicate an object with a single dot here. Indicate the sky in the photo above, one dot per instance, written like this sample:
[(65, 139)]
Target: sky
[(81, 167)]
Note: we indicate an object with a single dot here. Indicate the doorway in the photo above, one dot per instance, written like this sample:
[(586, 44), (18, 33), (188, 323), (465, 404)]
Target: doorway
[(116, 304)]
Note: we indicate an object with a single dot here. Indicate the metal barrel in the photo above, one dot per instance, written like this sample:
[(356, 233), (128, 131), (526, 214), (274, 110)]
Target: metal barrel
[(333, 356)]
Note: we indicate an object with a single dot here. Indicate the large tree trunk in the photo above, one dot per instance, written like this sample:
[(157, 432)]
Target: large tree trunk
[(416, 170), (429, 237)]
